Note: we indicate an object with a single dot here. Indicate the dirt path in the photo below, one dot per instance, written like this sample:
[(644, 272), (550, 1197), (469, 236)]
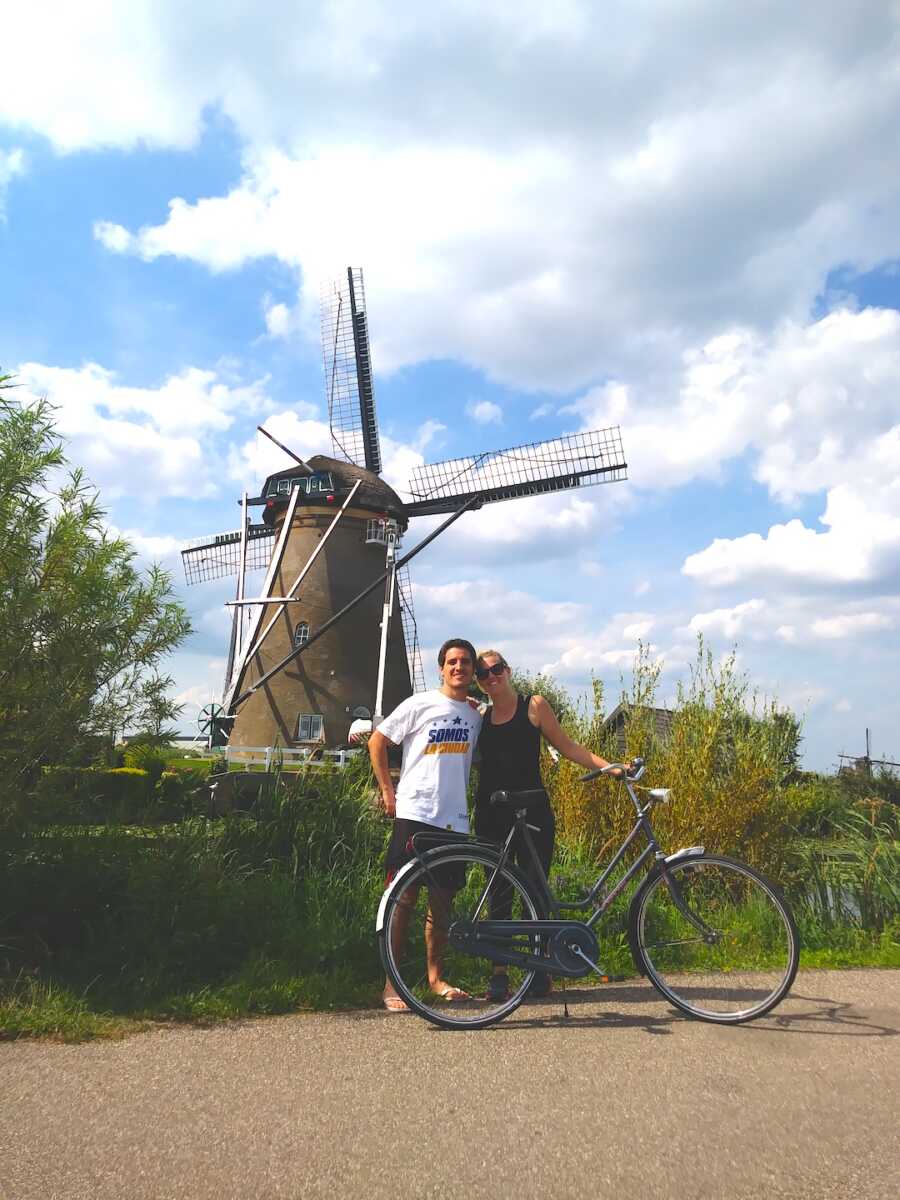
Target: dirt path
[(626, 1099)]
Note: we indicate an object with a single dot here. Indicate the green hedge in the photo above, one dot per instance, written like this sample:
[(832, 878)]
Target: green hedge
[(88, 795)]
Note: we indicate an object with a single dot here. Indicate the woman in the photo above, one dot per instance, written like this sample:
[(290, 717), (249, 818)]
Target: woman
[(510, 749)]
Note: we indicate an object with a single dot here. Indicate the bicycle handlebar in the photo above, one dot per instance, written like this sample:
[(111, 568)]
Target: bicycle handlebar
[(634, 773), (521, 798)]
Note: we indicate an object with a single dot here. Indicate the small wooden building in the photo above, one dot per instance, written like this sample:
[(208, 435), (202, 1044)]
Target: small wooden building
[(619, 719)]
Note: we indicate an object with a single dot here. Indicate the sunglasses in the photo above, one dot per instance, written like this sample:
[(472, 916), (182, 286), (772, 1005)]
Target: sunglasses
[(496, 669)]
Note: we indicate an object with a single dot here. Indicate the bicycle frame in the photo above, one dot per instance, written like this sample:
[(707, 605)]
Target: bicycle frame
[(538, 876), (595, 897)]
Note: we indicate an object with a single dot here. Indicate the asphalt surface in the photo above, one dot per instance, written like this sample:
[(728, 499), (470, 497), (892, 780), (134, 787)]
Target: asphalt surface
[(627, 1098)]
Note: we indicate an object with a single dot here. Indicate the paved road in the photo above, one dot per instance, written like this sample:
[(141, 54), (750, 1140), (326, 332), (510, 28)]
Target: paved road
[(626, 1099)]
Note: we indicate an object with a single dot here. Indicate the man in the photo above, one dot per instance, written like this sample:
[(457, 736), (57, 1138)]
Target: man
[(438, 731)]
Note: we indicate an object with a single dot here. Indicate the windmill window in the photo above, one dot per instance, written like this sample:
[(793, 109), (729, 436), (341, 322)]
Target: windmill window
[(301, 634), (310, 727), (321, 482), (284, 487)]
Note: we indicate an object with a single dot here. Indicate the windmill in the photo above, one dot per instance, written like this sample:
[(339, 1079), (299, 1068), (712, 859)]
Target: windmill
[(332, 634)]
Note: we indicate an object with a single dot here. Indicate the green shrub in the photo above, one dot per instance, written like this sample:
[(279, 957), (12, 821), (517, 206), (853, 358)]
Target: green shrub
[(145, 914), (146, 757), (85, 795), (726, 759)]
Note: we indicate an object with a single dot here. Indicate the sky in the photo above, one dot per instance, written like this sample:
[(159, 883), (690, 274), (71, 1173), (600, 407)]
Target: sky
[(682, 219)]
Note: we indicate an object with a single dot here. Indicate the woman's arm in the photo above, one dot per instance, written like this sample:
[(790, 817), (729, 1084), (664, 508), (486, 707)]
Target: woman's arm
[(542, 715)]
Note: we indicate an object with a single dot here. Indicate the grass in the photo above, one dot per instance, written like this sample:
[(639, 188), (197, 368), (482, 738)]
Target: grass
[(32, 1008)]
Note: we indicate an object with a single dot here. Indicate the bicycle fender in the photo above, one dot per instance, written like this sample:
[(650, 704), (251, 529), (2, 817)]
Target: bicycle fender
[(404, 870), (425, 859), (685, 852)]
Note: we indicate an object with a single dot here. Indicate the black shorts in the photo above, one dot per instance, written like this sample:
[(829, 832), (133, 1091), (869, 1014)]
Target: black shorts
[(400, 851)]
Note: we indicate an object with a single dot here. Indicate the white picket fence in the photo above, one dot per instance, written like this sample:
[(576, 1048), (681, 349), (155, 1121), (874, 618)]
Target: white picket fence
[(289, 759)]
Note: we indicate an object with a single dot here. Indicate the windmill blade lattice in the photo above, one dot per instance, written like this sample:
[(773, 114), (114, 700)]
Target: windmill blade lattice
[(348, 373), (574, 460), (219, 554), (410, 631)]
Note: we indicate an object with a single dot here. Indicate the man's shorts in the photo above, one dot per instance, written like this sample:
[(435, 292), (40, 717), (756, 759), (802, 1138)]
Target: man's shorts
[(400, 851)]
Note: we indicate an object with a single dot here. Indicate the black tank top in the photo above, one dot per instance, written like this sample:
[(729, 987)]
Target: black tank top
[(510, 754)]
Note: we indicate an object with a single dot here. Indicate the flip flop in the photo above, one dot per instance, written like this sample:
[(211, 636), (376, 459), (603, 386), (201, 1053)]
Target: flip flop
[(450, 993), (394, 1004)]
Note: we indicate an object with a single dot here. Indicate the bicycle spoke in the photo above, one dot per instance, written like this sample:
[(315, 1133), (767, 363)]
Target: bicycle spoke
[(748, 964), (438, 976)]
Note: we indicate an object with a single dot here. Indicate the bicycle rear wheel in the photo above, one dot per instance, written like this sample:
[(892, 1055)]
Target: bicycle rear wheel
[(741, 960), (456, 883)]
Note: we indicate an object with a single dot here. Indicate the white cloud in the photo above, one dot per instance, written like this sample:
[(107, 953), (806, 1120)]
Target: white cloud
[(251, 462), (850, 625), (279, 320), (729, 623), (12, 163), (816, 408), (159, 548), (485, 412), (636, 631), (114, 237), (794, 621), (573, 217), (142, 441)]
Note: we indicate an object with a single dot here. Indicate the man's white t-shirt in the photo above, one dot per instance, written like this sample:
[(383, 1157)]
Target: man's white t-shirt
[(438, 737)]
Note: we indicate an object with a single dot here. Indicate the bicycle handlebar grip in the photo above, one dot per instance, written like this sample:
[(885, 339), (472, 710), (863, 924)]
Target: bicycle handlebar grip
[(636, 764), (504, 797)]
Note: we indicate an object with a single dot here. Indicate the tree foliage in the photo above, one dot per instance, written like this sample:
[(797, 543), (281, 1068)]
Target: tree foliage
[(82, 630)]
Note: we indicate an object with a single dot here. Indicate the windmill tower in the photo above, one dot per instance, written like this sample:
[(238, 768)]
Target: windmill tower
[(331, 633)]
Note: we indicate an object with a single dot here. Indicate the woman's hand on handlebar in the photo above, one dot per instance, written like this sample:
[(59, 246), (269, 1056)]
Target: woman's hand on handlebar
[(614, 770)]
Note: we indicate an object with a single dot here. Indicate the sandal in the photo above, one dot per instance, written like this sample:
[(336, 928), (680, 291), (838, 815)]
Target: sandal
[(498, 988), (394, 1004), (451, 993)]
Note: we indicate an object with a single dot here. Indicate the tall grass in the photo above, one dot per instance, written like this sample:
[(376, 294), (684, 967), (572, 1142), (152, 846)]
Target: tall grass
[(726, 760), (255, 912)]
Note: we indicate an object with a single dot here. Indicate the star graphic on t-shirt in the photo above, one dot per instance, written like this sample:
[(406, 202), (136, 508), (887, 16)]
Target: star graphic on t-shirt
[(457, 720)]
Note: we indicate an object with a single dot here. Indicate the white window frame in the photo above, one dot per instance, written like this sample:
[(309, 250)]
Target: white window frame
[(298, 642), (310, 727)]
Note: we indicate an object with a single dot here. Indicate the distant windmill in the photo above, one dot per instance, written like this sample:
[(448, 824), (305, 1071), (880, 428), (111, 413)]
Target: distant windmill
[(319, 646)]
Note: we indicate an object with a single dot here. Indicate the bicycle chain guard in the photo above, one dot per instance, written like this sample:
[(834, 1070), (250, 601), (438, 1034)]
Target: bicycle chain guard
[(494, 940)]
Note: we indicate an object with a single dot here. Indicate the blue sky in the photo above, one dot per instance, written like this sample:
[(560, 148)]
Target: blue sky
[(682, 220)]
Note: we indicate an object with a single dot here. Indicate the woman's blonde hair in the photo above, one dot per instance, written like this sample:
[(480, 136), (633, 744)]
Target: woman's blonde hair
[(496, 653)]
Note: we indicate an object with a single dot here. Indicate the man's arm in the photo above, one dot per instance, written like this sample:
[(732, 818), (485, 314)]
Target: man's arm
[(378, 753)]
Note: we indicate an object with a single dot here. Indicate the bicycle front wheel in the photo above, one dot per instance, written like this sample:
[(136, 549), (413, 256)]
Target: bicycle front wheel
[(722, 946), (447, 985)]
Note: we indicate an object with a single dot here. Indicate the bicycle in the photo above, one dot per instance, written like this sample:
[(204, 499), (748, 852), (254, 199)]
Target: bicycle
[(713, 935)]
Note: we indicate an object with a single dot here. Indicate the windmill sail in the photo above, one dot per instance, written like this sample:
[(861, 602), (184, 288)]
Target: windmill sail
[(349, 388), (410, 631), (575, 460), (219, 554)]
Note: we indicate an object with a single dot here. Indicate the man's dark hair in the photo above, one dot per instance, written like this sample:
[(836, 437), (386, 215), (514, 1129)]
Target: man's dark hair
[(459, 643)]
